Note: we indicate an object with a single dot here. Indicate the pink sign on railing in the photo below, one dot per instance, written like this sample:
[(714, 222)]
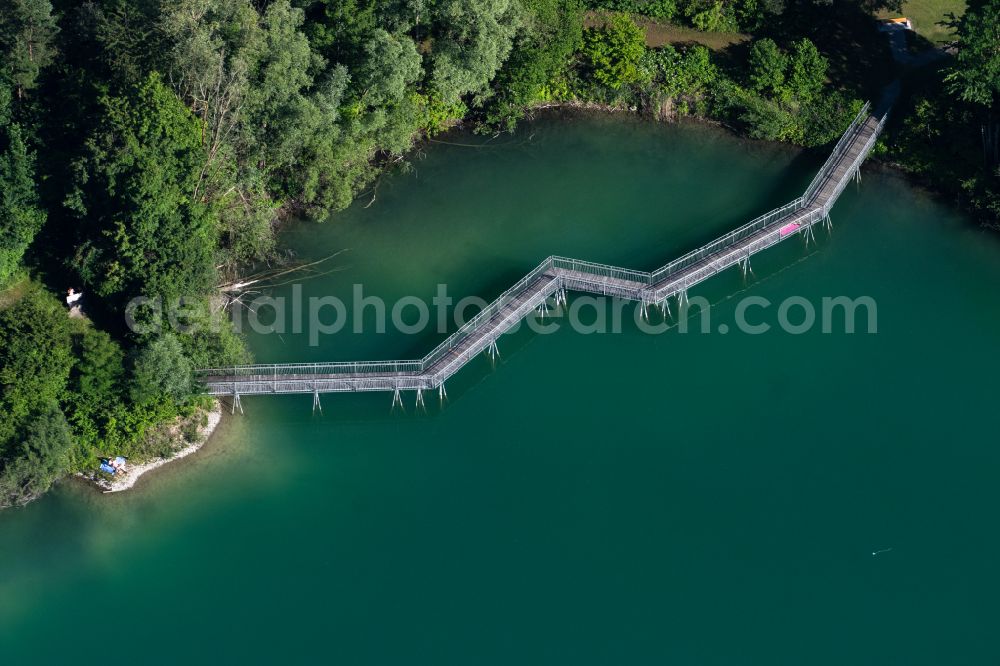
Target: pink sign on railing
[(788, 229)]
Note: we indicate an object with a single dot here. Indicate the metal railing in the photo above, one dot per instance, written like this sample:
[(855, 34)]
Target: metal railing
[(386, 368), (553, 273), (487, 313), (729, 240), (443, 371), (855, 165), (829, 166), (600, 271)]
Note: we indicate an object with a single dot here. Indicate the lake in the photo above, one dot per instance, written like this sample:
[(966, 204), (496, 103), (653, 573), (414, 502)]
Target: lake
[(594, 498)]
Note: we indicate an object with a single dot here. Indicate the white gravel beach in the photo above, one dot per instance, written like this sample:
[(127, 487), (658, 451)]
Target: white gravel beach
[(126, 479)]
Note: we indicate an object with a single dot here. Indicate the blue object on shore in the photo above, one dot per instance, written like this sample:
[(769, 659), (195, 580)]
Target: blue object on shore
[(105, 467)]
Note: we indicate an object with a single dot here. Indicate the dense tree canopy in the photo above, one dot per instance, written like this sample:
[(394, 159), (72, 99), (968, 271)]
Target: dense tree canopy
[(20, 215), (550, 33), (975, 77), (27, 29), (143, 229), (709, 15)]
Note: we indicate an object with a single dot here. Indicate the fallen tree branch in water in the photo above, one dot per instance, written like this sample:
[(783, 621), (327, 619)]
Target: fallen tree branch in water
[(265, 276)]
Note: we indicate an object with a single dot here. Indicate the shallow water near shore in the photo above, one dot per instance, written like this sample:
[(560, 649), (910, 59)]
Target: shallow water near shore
[(623, 498)]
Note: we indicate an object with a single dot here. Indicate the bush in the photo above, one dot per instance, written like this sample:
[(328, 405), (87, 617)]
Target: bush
[(712, 17), (769, 120), (613, 52), (826, 118), (688, 77), (160, 370)]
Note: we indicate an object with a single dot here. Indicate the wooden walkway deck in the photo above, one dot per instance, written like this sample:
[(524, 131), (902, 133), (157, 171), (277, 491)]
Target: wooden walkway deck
[(552, 278)]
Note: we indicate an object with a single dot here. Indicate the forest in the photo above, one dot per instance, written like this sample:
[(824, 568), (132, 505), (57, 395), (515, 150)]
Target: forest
[(153, 148)]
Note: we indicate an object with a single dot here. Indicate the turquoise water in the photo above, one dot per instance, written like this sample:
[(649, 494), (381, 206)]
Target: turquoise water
[(595, 499)]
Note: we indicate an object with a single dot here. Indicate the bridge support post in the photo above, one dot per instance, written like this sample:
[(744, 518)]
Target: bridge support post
[(237, 403), (316, 403), (420, 400), (442, 394), (493, 351), (397, 399), (827, 222), (665, 307)]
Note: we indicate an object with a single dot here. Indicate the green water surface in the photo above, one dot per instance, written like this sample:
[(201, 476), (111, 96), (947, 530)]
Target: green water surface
[(595, 499)]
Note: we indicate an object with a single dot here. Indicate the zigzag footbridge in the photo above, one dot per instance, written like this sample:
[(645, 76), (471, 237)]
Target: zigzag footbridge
[(552, 279)]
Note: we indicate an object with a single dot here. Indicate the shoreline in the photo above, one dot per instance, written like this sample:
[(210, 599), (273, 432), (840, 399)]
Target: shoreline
[(133, 473), (914, 179)]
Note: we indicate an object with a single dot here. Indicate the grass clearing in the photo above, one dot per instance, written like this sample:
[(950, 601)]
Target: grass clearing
[(14, 292), (659, 33), (925, 15)]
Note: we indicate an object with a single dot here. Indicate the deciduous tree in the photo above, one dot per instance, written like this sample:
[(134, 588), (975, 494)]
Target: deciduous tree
[(160, 371), (808, 71), (614, 51), (472, 38), (768, 67)]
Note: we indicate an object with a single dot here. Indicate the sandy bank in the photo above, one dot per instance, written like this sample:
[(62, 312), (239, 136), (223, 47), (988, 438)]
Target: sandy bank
[(127, 479)]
